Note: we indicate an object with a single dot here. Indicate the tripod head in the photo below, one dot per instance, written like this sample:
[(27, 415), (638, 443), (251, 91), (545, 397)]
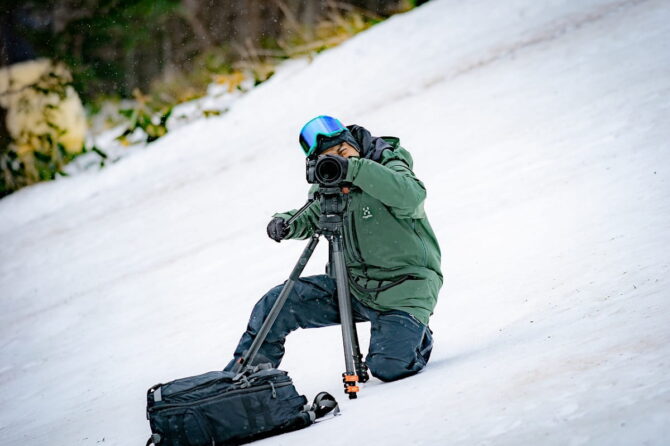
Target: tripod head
[(333, 201)]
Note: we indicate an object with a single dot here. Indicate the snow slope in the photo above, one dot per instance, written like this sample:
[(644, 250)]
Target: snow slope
[(541, 131)]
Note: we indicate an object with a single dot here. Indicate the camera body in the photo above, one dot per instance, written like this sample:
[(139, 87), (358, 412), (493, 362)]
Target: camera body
[(328, 170)]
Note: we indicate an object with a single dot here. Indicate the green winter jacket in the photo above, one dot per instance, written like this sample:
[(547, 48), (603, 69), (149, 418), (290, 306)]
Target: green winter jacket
[(389, 242)]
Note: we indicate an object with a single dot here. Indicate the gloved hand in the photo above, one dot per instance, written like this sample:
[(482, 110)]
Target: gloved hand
[(277, 229)]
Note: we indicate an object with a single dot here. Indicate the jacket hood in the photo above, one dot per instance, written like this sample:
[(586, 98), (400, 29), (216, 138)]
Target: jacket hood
[(371, 147)]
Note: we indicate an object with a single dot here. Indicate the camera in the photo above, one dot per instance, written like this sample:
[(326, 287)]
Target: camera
[(327, 170)]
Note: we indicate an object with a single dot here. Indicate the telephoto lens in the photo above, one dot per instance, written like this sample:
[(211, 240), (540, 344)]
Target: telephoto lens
[(327, 170)]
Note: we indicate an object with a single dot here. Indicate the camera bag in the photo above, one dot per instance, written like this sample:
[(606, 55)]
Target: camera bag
[(221, 408)]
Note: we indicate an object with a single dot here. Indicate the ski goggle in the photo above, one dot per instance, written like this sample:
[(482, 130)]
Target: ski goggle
[(324, 126)]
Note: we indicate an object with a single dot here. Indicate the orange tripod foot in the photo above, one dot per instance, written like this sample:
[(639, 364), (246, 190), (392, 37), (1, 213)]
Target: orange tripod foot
[(350, 385)]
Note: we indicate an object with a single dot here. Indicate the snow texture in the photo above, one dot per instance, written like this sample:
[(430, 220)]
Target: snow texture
[(541, 132)]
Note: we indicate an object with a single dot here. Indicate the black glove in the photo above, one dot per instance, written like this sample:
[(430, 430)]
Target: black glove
[(277, 229)]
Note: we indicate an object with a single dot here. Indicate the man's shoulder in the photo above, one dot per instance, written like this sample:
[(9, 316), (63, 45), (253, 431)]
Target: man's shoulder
[(399, 153)]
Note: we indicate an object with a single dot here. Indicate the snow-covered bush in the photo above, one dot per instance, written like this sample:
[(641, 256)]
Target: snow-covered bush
[(44, 120)]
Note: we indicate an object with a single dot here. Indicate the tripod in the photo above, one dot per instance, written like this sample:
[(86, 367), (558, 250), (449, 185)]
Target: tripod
[(333, 201)]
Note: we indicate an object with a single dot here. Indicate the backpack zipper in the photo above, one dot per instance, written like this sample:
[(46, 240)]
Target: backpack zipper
[(222, 395), (213, 381), (197, 387)]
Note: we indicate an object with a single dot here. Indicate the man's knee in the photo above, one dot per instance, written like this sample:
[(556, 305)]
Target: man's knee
[(285, 318), (304, 289), (264, 305), (309, 304), (391, 369)]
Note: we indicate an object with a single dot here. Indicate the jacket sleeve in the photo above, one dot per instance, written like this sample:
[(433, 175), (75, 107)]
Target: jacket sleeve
[(304, 226), (393, 183)]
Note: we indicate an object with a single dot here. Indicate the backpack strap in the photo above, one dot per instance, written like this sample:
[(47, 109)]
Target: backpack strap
[(154, 439), (323, 404)]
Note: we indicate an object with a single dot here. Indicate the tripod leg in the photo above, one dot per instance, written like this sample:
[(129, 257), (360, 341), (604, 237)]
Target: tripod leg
[(361, 368), (355, 369), (276, 308)]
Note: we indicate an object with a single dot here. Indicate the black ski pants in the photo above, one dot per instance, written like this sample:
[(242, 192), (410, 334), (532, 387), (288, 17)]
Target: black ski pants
[(400, 345)]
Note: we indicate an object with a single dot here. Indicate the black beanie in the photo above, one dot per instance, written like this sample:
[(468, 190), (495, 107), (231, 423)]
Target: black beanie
[(326, 143)]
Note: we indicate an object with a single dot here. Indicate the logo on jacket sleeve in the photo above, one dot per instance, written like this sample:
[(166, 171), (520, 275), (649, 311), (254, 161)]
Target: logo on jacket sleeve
[(366, 212)]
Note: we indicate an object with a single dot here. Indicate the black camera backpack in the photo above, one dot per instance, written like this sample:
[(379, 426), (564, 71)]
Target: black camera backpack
[(221, 408)]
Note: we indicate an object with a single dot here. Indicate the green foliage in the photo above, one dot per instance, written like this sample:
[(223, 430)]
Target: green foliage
[(208, 113), (115, 46), (90, 44), (19, 168), (219, 64), (151, 120), (186, 85)]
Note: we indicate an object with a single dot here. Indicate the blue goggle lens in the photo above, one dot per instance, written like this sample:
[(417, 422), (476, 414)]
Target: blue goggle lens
[(320, 126)]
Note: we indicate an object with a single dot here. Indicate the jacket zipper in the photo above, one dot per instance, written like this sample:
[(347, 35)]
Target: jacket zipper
[(225, 394)]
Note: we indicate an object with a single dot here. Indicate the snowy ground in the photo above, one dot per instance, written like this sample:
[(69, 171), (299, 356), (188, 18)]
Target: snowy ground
[(541, 131)]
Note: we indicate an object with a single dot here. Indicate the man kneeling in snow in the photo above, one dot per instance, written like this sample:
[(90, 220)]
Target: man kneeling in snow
[(391, 253)]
